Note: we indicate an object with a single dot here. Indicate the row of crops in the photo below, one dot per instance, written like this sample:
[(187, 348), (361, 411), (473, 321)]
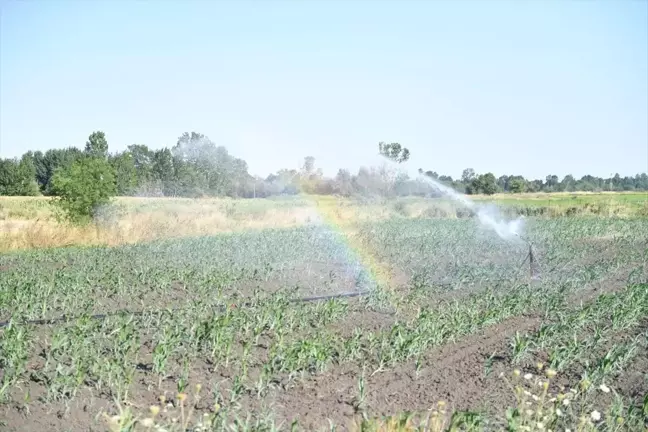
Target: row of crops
[(590, 306)]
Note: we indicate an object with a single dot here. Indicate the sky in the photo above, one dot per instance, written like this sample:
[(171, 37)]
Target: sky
[(531, 87)]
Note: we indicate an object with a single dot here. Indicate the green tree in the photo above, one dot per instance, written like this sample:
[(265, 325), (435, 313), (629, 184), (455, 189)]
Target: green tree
[(394, 152), (18, 178), (568, 183), (163, 171), (488, 183), (143, 161), (97, 145), (517, 185), (27, 176), (53, 159), (82, 188), (551, 183), (468, 175), (125, 173), (484, 183), (8, 177), (188, 180), (212, 169)]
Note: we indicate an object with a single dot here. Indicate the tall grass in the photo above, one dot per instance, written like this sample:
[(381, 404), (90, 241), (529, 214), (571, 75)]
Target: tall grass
[(30, 222), (27, 223)]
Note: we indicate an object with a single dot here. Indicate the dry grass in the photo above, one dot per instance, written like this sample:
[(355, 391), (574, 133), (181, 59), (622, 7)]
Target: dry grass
[(29, 222), (133, 220)]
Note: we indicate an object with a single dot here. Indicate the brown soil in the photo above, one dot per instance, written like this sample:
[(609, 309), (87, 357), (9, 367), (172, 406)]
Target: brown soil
[(454, 373), (465, 374)]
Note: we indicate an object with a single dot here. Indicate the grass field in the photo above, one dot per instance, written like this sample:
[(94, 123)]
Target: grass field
[(200, 330), (27, 223)]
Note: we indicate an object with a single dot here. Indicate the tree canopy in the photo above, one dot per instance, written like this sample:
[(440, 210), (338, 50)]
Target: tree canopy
[(196, 166)]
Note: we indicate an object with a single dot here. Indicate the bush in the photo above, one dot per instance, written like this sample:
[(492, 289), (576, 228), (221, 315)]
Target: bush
[(401, 208), (82, 188)]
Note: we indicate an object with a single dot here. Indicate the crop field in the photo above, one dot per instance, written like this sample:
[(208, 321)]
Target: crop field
[(443, 326)]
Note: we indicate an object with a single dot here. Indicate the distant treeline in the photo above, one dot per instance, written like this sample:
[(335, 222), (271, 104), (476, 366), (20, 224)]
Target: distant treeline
[(197, 167)]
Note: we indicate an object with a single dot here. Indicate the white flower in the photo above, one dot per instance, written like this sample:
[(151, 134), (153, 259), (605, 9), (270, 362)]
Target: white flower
[(565, 402), (558, 412), (604, 388), (528, 376), (147, 422), (596, 416), (540, 426), (567, 430)]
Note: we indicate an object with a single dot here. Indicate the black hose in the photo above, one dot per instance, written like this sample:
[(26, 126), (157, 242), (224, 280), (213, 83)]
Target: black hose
[(66, 318)]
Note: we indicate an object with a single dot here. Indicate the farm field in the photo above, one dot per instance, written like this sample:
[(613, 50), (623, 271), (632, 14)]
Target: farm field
[(29, 222), (444, 320)]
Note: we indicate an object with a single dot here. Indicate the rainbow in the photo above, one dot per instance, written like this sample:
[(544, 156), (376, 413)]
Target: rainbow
[(328, 208)]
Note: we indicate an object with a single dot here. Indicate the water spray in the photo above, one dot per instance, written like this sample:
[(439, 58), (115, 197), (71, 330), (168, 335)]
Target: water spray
[(531, 257), (488, 216)]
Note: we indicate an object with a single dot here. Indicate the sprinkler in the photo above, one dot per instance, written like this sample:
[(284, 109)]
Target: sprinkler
[(531, 257)]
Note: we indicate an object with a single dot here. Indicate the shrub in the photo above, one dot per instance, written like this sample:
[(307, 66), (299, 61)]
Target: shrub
[(82, 188)]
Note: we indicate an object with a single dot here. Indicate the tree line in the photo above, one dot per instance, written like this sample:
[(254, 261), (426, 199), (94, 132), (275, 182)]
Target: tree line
[(196, 167)]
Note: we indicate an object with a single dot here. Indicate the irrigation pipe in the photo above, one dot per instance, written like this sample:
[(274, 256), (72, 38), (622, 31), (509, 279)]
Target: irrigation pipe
[(66, 318)]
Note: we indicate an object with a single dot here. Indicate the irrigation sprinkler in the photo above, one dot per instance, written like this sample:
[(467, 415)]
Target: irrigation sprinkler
[(361, 277), (533, 275)]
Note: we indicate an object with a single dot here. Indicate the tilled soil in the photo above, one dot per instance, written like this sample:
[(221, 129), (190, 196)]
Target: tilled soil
[(454, 373)]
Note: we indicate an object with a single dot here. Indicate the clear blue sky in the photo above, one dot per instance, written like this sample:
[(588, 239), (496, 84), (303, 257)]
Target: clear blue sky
[(512, 87)]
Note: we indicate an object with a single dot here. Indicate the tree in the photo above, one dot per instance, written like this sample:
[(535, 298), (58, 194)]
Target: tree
[(97, 145), (310, 179), (394, 152), (53, 159), (517, 186), (82, 188), (125, 173), (488, 183), (195, 166), (216, 171), (163, 170), (309, 165), (188, 180), (568, 183), (143, 162), (484, 183), (468, 175), (551, 182), (18, 178), (432, 174), (343, 183), (27, 176)]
